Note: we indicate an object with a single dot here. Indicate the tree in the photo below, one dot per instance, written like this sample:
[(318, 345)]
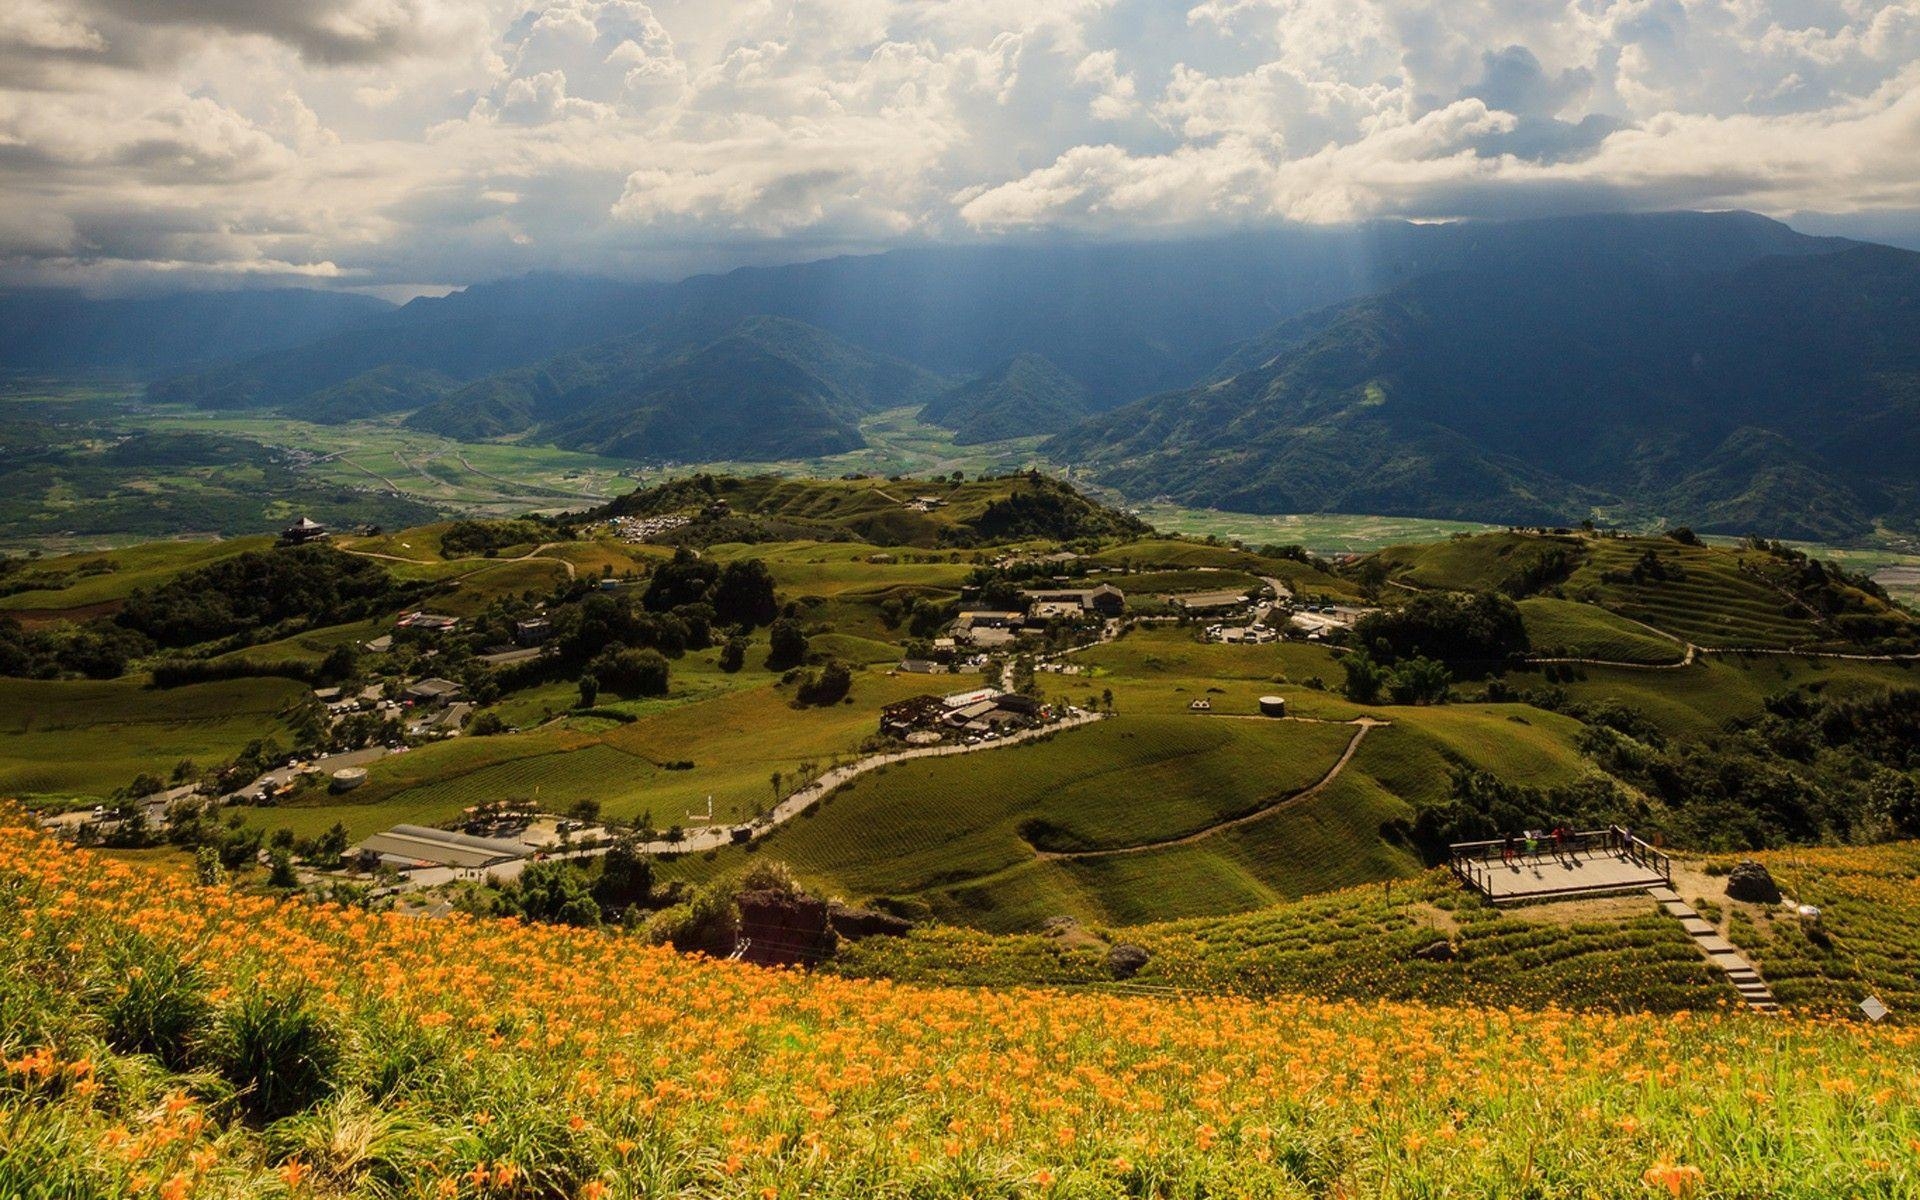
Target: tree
[(788, 646), (1483, 629), (589, 690), (1373, 576), (340, 664), (554, 892), (280, 874), (686, 578), (743, 595), (630, 672), (829, 685), (733, 655), (1365, 678), (1420, 681), (626, 878)]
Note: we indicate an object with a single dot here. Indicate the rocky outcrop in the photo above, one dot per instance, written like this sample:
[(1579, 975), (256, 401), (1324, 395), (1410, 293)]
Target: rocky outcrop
[(779, 928), (1440, 951), (1126, 959), (854, 924), (1752, 882)]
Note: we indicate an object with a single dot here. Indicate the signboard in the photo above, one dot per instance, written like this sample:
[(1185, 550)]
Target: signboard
[(1875, 1010)]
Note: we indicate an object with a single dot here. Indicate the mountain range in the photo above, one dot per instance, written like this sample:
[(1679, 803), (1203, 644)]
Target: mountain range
[(1782, 394), (1720, 370)]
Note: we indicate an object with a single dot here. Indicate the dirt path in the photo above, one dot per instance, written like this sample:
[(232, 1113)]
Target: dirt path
[(1361, 726), (481, 564)]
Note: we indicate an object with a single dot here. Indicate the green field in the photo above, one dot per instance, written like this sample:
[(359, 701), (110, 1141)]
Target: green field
[(1322, 533), (1568, 629), (962, 832), (67, 743)]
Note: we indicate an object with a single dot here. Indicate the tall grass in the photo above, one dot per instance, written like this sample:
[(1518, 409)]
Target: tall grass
[(557, 1063)]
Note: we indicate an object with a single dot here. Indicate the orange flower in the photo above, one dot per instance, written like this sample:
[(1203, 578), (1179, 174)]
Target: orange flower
[(176, 1188), (1678, 1181), (292, 1172), (593, 1189)]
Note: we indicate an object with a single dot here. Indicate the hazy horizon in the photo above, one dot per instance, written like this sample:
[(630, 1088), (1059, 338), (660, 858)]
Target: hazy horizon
[(401, 146)]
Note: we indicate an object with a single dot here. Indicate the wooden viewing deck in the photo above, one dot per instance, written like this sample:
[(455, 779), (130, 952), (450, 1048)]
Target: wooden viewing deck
[(1595, 862)]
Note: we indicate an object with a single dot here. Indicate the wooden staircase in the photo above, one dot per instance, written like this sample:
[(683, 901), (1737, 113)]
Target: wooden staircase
[(1719, 951)]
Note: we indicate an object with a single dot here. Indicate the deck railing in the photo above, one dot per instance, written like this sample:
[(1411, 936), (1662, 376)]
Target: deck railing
[(1473, 863)]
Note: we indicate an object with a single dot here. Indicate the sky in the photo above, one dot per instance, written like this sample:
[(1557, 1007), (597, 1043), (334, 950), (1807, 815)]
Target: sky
[(400, 146)]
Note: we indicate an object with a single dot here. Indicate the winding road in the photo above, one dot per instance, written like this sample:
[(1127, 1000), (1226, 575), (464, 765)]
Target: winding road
[(712, 837), (1361, 726)]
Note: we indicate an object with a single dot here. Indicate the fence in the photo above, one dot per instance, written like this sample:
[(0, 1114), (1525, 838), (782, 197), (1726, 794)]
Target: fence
[(1474, 863)]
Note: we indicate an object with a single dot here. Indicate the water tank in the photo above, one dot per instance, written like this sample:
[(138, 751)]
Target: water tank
[(1273, 706), (348, 778)]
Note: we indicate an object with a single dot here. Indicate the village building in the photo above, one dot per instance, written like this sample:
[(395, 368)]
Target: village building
[(532, 631), (305, 530), (1107, 600), (414, 847), (432, 622), (1056, 610), (432, 691), (1208, 602), (903, 717), (380, 645)]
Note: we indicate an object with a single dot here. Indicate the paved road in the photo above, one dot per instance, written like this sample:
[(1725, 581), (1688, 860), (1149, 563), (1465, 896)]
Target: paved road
[(326, 763), (715, 836)]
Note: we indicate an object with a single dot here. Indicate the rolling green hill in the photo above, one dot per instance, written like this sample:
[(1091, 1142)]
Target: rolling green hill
[(877, 511), (1023, 396)]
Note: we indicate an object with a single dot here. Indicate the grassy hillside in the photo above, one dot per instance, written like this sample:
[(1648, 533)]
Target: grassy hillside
[(879, 511), (945, 828), (1713, 596), (532, 1061), (76, 741), (1567, 629), (86, 583)]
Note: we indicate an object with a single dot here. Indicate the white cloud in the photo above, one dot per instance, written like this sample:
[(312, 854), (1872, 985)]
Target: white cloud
[(385, 141)]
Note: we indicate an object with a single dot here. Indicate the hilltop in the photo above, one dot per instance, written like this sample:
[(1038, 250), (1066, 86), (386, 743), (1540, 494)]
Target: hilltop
[(881, 512)]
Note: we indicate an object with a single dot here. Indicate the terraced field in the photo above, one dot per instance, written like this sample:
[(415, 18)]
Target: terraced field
[(1867, 899), (75, 742), (1712, 603), (1568, 629)]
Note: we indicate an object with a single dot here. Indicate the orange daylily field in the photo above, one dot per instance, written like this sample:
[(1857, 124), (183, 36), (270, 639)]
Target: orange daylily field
[(467, 1058)]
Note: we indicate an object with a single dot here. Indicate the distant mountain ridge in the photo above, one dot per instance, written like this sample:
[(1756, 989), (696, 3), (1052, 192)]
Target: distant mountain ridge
[(60, 331), (767, 388), (1024, 396), (1733, 399)]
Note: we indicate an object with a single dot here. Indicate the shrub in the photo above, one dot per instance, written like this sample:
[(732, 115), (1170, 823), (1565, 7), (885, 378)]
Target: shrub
[(279, 1049), (160, 1006)]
